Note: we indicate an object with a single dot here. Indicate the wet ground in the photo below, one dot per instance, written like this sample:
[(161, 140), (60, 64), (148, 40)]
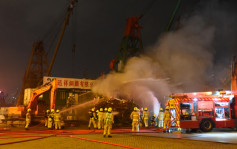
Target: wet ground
[(73, 137)]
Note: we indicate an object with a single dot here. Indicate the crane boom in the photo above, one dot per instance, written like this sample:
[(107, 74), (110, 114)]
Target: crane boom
[(69, 11), (52, 86)]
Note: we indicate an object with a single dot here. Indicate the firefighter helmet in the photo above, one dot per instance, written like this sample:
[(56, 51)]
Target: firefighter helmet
[(52, 110), (167, 108), (110, 109), (93, 109), (161, 109), (145, 109), (97, 111), (106, 109), (154, 115), (28, 110), (101, 109), (135, 109), (57, 111), (47, 111)]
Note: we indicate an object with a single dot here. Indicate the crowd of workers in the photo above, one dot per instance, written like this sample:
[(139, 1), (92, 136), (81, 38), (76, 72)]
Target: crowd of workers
[(104, 118), (163, 120), (52, 119)]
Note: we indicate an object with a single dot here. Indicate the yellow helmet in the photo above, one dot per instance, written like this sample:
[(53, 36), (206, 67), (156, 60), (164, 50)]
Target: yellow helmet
[(101, 109), (52, 110), (106, 109), (154, 115), (93, 109), (57, 111), (135, 108), (161, 109), (28, 110), (97, 111), (47, 111), (145, 109), (110, 109), (167, 108)]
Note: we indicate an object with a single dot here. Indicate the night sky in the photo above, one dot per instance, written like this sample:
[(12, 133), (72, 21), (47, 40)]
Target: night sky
[(96, 27)]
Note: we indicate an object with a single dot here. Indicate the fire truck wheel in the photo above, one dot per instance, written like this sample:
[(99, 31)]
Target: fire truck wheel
[(206, 125)]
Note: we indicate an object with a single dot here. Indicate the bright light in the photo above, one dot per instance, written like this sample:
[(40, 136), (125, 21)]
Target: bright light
[(195, 99), (215, 99), (194, 93), (230, 137), (217, 93), (209, 93)]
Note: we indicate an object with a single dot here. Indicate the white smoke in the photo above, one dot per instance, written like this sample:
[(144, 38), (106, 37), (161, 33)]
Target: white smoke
[(180, 61)]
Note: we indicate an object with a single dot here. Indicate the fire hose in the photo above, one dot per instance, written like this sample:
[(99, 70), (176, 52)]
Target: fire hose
[(42, 137), (114, 144), (46, 136)]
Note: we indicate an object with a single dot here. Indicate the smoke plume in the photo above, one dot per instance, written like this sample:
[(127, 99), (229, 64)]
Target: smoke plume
[(183, 60)]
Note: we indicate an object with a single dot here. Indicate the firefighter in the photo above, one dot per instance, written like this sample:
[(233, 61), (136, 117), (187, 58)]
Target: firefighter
[(145, 117), (104, 114), (186, 115), (46, 118), (92, 116), (51, 119), (167, 118), (153, 120), (57, 120), (28, 119), (100, 119), (160, 118), (96, 115), (135, 119), (141, 115), (108, 121)]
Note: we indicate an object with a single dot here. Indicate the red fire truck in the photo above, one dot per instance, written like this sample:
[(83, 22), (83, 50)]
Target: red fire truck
[(204, 110)]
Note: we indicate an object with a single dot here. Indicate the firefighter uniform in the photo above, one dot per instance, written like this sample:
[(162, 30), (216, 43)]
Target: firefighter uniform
[(92, 120), (46, 118), (51, 119), (108, 121), (135, 116), (57, 120), (167, 118), (145, 116), (104, 114), (28, 118), (100, 119), (160, 118)]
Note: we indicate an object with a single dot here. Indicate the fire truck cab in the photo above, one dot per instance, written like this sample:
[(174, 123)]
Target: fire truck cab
[(203, 110)]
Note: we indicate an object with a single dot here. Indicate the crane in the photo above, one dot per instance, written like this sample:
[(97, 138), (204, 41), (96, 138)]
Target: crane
[(131, 44), (38, 65)]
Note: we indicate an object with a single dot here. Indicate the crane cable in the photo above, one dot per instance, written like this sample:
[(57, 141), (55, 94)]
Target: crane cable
[(53, 32), (173, 15)]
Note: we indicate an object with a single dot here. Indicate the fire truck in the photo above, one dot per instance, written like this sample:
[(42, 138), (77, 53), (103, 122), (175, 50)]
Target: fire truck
[(203, 110), (206, 110)]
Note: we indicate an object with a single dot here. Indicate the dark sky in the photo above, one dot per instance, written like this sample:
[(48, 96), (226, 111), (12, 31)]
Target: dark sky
[(96, 26), (97, 33)]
